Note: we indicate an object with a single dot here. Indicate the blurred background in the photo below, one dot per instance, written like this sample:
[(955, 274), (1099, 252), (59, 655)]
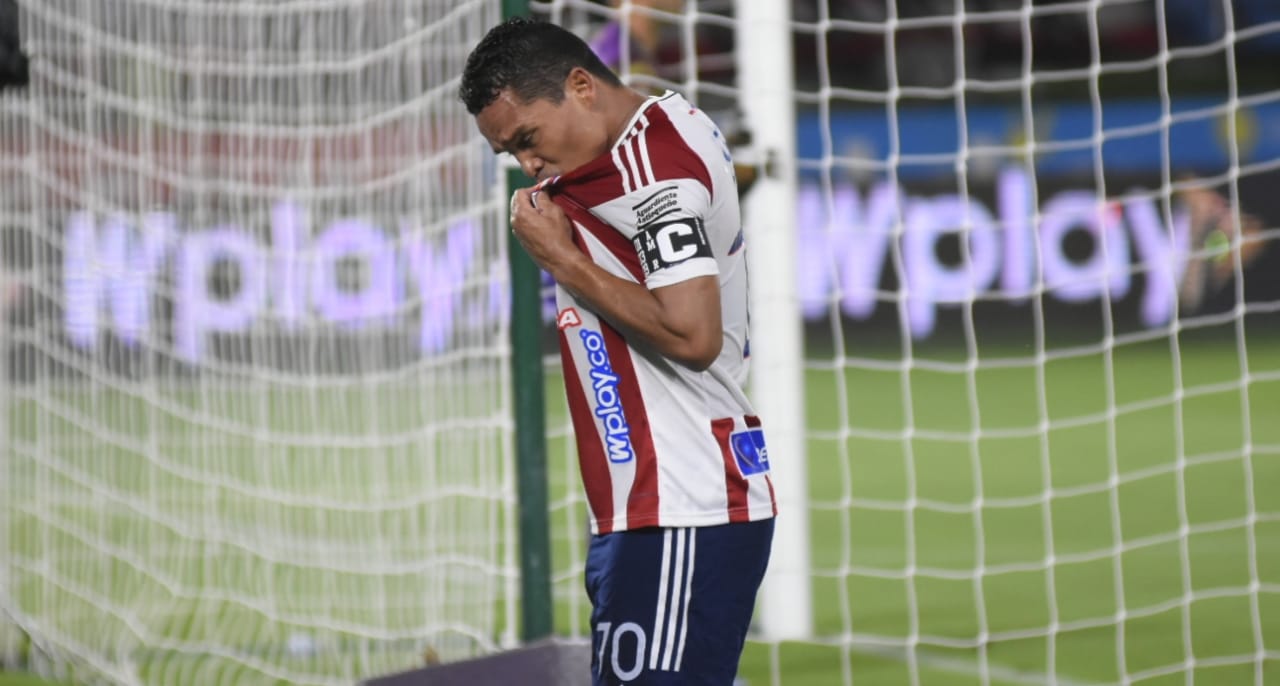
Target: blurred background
[(257, 411), (945, 98)]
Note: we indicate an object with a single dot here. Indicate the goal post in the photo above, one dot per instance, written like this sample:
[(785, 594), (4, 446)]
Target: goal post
[(766, 99), (529, 388)]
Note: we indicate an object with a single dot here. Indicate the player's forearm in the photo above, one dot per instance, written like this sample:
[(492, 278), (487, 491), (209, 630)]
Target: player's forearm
[(693, 340)]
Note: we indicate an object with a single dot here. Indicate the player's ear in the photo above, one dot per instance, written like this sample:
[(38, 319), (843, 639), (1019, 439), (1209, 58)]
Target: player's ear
[(581, 85)]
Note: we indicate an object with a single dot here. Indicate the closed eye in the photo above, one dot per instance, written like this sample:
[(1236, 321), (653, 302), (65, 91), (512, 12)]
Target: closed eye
[(520, 139)]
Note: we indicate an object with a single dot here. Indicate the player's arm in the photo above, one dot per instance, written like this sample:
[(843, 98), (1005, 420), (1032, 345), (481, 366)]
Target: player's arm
[(681, 321)]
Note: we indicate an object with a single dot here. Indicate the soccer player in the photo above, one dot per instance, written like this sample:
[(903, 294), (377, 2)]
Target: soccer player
[(635, 215)]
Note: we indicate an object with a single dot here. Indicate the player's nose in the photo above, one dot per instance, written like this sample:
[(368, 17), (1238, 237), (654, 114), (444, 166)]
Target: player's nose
[(531, 165)]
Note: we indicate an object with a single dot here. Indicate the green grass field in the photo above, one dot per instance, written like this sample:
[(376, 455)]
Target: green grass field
[(1094, 518), (868, 460), (7, 679)]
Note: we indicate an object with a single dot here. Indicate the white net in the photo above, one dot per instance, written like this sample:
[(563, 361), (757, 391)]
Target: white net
[(1037, 254), (255, 365)]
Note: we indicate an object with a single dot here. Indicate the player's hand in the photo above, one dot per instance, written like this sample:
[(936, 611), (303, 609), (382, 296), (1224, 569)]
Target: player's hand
[(541, 227)]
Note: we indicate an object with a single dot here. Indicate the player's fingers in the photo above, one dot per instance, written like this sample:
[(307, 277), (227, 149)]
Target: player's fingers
[(519, 201), (547, 207), (520, 206)]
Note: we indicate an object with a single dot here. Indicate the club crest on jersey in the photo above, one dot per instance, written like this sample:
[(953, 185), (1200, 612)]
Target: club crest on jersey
[(608, 404), (568, 317), (750, 451)]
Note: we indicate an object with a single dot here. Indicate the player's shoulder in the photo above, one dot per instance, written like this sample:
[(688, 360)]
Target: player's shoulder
[(675, 122), (671, 140)]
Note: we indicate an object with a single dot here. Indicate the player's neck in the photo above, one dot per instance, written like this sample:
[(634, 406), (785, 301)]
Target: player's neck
[(622, 108)]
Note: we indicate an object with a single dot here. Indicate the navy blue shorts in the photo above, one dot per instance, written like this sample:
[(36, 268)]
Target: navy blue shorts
[(672, 606)]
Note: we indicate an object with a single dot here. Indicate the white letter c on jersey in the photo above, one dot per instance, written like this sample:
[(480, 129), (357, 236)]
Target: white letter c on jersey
[(666, 245)]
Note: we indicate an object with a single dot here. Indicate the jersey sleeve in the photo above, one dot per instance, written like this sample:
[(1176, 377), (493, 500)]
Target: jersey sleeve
[(671, 235)]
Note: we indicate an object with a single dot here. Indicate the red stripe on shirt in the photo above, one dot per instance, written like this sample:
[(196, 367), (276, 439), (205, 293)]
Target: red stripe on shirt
[(614, 242), (669, 154), (773, 500), (591, 458), (596, 182), (735, 485), (599, 183), (637, 157), (642, 501)]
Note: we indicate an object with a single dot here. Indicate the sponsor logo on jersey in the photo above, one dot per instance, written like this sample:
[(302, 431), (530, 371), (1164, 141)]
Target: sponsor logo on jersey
[(568, 317), (608, 404), (664, 201), (664, 244), (750, 451)]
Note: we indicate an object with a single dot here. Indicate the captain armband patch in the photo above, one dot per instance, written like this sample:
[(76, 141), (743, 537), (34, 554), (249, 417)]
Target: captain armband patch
[(667, 243)]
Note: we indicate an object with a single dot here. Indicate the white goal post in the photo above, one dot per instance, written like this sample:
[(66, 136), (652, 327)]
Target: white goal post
[(777, 367)]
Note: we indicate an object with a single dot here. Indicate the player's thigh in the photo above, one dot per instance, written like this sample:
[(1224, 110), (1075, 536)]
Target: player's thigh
[(672, 606)]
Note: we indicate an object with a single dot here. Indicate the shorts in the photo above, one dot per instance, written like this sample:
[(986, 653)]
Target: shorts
[(671, 606)]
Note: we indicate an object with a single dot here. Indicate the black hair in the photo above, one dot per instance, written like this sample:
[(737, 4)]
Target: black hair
[(531, 58)]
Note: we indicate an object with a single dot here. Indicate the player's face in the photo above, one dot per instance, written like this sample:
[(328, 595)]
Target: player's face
[(547, 138)]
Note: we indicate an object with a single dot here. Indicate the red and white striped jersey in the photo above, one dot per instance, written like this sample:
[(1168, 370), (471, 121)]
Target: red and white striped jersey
[(660, 444)]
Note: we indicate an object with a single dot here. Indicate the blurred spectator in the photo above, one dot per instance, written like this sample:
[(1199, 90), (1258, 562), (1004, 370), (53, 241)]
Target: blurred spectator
[(1215, 237), (644, 37)]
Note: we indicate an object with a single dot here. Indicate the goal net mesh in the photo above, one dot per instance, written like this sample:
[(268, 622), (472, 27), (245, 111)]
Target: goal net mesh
[(255, 361), (1037, 255)]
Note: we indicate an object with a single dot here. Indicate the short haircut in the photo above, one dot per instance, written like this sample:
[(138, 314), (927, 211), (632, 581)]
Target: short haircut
[(531, 58)]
